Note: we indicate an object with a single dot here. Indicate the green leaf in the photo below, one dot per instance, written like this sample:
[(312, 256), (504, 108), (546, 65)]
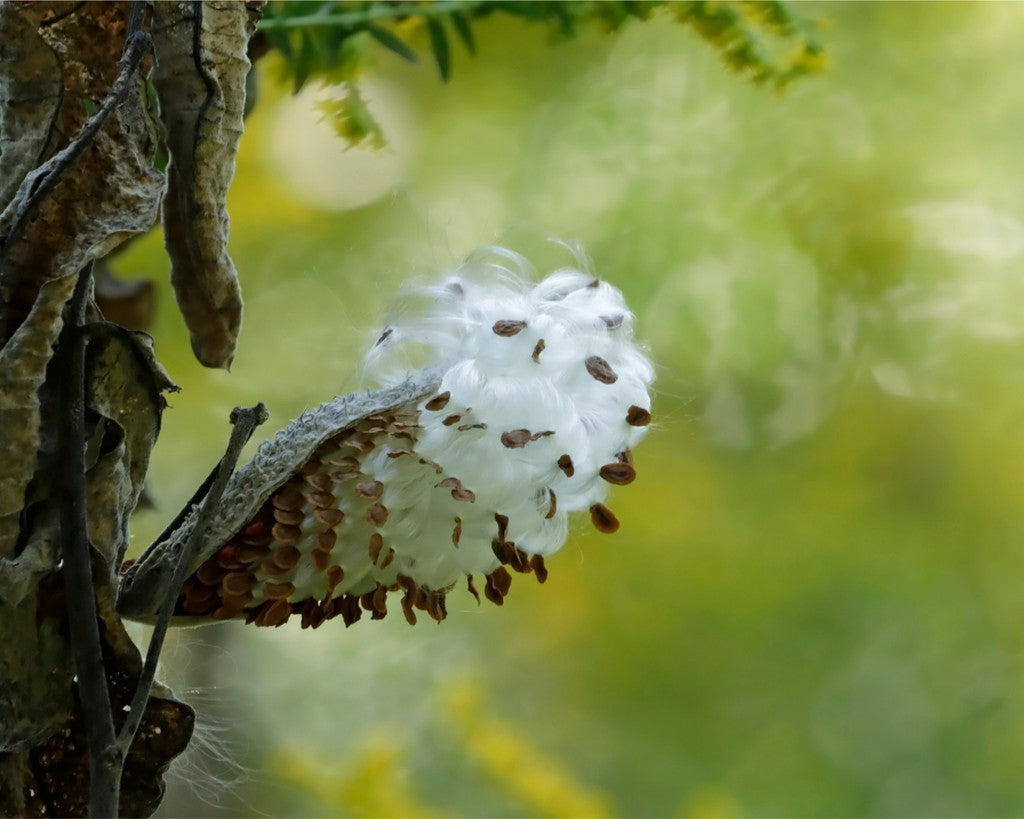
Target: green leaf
[(392, 42), (465, 33), (439, 44)]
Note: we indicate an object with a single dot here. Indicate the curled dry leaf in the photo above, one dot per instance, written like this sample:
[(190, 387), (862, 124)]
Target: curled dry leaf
[(200, 80), (111, 192), (30, 94), (144, 584)]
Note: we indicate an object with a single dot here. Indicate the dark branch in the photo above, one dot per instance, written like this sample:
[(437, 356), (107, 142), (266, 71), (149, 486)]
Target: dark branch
[(245, 420), (104, 765)]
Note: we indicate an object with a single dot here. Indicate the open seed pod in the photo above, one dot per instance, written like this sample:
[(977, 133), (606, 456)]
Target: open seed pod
[(527, 409)]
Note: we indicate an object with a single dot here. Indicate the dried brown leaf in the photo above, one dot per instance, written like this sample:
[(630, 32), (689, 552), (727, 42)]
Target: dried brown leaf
[(200, 80), (30, 94), (110, 193)]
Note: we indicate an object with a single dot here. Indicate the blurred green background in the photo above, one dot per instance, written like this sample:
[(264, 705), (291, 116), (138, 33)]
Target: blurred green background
[(814, 606)]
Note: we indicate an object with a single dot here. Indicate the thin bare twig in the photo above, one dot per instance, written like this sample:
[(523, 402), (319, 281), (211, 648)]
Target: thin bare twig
[(244, 420), (104, 762)]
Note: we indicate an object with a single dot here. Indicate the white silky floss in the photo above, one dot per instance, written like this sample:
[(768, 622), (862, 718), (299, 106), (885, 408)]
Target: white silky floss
[(543, 396)]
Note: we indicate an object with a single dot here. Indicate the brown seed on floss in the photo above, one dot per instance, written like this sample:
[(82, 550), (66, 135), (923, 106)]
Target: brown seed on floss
[(618, 473), (613, 322), (539, 569), (637, 416), (325, 540), (438, 402), (329, 517), (457, 531), (452, 419), (387, 559), (288, 498), (278, 591), (508, 328), (552, 504), (247, 553), (566, 465), (274, 615), (238, 583), (287, 557), (377, 514), (516, 438), (603, 519), (320, 481), (321, 499), (376, 544), (209, 574), (464, 427), (285, 533), (538, 348), (272, 570), (292, 517), (601, 370), (321, 560), (502, 521), (370, 489)]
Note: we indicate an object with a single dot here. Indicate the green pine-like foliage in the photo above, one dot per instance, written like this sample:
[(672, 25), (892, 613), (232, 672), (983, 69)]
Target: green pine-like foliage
[(765, 41)]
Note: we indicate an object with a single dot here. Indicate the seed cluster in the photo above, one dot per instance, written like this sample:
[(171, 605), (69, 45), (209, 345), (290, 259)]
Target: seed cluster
[(534, 418)]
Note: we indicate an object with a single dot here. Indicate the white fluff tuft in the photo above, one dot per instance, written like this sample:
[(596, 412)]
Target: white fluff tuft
[(536, 375)]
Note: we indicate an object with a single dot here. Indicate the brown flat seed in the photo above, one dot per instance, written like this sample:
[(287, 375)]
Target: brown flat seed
[(320, 481), (464, 495), (384, 336), (370, 489), (552, 504), (309, 467), (329, 517), (438, 402), (502, 580), (286, 557), (380, 598), (516, 438), (457, 531), (376, 544), (451, 482), (344, 475), (452, 419), (538, 348), (276, 615), (272, 570), (284, 533), (388, 558), (502, 521), (377, 514), (502, 550), (403, 434), (618, 473), (321, 560), (223, 614), (292, 517), (520, 561), (278, 591), (637, 416), (543, 434), (539, 569), (508, 327), (407, 609), (248, 553), (472, 588), (603, 519), (361, 445), (595, 284), (325, 540), (613, 322), (345, 462), (209, 574), (566, 465), (321, 499), (398, 453), (289, 498), (432, 464), (335, 575), (464, 427), (601, 370), (238, 583)]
